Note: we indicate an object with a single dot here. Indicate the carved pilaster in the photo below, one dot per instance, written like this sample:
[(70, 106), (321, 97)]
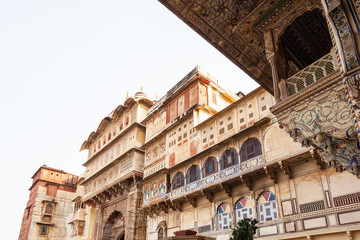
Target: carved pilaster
[(270, 54)]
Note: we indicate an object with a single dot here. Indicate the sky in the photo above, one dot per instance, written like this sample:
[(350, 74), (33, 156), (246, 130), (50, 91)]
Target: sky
[(65, 65)]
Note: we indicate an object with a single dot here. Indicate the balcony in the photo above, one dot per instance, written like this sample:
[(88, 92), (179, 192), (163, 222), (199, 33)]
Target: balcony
[(79, 215), (317, 110), (317, 71)]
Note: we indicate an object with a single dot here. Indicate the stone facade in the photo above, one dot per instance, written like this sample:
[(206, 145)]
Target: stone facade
[(305, 53), (48, 205), (113, 171)]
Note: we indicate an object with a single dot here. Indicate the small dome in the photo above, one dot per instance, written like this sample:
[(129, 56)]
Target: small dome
[(140, 95)]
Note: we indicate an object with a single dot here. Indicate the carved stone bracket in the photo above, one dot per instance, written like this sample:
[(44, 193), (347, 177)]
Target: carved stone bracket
[(113, 192), (339, 148), (208, 195), (100, 198), (316, 157), (155, 209), (247, 181), (106, 195), (176, 206), (271, 174), (284, 166), (227, 189), (163, 207), (191, 200), (90, 203), (149, 212)]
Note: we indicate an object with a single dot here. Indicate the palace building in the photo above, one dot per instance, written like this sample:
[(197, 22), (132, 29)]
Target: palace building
[(49, 203), (114, 170), (203, 158)]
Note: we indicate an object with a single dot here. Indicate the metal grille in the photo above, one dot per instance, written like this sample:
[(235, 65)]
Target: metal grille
[(347, 199), (314, 206)]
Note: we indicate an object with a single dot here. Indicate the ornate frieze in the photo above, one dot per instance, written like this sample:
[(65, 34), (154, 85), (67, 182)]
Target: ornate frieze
[(230, 172), (325, 122)]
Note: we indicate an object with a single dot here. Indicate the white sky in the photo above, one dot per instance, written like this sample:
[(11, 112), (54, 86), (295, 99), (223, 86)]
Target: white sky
[(65, 65)]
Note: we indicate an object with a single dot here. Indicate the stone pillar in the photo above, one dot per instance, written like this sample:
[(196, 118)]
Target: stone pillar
[(270, 54)]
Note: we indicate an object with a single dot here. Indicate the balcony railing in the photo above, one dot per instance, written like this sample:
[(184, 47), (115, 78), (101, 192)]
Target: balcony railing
[(312, 73), (210, 179), (252, 162), (193, 186), (230, 171), (177, 192)]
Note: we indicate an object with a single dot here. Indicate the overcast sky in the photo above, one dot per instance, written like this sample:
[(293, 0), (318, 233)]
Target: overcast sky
[(65, 65)]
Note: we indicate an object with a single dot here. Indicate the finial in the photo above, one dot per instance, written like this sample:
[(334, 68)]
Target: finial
[(156, 97), (141, 88), (127, 94)]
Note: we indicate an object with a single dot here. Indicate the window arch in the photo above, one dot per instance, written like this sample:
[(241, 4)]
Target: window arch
[(193, 174), (244, 209), (224, 216), (250, 149), (210, 166), (162, 230), (228, 158), (178, 180), (49, 208), (161, 233), (267, 207)]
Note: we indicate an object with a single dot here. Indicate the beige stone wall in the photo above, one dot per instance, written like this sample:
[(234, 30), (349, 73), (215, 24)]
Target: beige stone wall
[(63, 207)]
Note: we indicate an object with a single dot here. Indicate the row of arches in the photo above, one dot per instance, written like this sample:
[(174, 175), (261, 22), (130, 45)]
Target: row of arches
[(249, 149), (243, 208), (266, 210)]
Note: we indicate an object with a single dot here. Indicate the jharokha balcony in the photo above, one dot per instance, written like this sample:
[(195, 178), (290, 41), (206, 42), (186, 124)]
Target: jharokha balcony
[(218, 177)]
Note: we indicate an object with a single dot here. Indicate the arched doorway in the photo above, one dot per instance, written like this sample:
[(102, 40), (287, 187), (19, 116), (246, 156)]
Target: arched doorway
[(114, 228)]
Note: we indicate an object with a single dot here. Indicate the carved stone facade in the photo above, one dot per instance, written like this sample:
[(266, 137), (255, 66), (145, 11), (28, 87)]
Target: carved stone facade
[(113, 171), (310, 51)]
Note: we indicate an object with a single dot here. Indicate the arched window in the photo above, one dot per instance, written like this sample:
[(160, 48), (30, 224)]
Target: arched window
[(178, 180), (193, 174), (267, 208), (49, 209), (210, 166), (229, 158), (250, 149), (162, 230), (161, 233), (244, 209), (224, 216)]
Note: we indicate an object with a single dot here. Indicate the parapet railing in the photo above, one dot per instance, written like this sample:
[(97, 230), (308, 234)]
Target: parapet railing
[(312, 73)]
